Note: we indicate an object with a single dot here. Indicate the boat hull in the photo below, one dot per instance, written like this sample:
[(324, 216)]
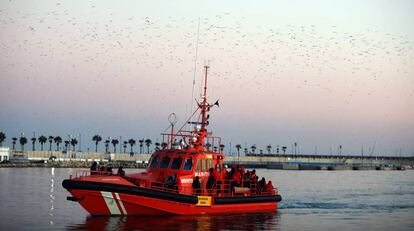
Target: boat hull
[(129, 200)]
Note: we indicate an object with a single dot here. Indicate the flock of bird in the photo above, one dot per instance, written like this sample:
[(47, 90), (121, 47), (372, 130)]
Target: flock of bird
[(96, 45)]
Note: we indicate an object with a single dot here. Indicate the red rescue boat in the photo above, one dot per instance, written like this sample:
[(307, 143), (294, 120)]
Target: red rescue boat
[(185, 177)]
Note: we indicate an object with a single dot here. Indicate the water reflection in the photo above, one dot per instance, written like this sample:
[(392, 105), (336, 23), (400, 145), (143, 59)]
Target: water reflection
[(52, 197), (250, 221)]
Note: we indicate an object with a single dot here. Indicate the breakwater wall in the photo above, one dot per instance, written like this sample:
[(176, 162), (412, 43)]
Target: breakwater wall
[(283, 161)]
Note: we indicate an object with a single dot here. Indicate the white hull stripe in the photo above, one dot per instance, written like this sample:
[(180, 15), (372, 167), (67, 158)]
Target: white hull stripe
[(121, 204), (111, 203)]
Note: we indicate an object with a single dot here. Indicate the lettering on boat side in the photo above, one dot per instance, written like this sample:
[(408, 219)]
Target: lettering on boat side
[(186, 180), (204, 201), (201, 173)]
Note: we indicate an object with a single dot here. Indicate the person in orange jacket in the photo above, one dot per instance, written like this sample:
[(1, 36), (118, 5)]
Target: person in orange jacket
[(269, 186)]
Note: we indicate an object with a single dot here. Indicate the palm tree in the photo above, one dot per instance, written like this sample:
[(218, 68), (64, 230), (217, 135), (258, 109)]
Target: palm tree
[(222, 147), (114, 143), (2, 138), (42, 139), (277, 149), (157, 146), (97, 139), (269, 148), (66, 145), (106, 145), (73, 142), (238, 147), (296, 145), (141, 142), (33, 139), (14, 140), (125, 146), (253, 147), (164, 145), (245, 151), (50, 142), (148, 142), (23, 141), (284, 149), (131, 143), (57, 140)]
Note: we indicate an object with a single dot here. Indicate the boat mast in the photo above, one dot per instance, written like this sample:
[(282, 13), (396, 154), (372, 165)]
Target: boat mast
[(202, 133), (204, 104)]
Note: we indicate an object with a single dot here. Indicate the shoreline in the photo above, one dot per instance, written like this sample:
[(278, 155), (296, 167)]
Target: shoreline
[(72, 164)]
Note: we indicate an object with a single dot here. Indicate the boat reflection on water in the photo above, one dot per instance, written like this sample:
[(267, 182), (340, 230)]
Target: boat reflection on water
[(246, 221)]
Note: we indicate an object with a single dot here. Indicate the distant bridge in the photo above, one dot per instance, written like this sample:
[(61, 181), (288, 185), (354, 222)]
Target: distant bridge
[(303, 161)]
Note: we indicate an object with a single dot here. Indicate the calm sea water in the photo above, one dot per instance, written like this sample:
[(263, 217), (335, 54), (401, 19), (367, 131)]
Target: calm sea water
[(33, 199)]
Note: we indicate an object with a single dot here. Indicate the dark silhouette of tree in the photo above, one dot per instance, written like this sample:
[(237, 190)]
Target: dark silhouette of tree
[(23, 141), (58, 141), (50, 142), (42, 140), (96, 139), (33, 139), (222, 147), (131, 142), (14, 140), (296, 145), (66, 145), (238, 147), (269, 148), (157, 146), (115, 142), (125, 146), (141, 144), (164, 145), (107, 146), (253, 147), (148, 143), (2, 138), (277, 149), (73, 142), (284, 149), (245, 151)]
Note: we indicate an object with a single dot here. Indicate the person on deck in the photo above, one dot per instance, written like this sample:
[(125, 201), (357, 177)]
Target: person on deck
[(236, 177), (269, 186), (211, 179), (121, 172), (262, 184), (196, 185), (94, 168)]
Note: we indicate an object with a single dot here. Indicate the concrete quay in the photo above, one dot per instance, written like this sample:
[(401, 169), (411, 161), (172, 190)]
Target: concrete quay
[(280, 161)]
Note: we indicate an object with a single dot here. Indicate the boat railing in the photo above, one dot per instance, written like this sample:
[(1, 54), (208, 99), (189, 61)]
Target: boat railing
[(230, 188), (85, 173), (183, 139), (221, 188)]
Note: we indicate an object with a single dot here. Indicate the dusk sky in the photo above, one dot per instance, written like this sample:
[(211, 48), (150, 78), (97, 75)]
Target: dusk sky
[(319, 73)]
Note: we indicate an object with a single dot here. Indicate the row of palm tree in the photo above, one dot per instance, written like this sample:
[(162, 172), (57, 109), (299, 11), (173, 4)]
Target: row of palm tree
[(131, 142), (41, 140), (253, 149), (115, 142)]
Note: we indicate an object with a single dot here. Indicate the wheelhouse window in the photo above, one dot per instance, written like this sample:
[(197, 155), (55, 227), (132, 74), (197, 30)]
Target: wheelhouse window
[(165, 161), (203, 165), (209, 163), (198, 166), (188, 164), (154, 162), (176, 164)]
